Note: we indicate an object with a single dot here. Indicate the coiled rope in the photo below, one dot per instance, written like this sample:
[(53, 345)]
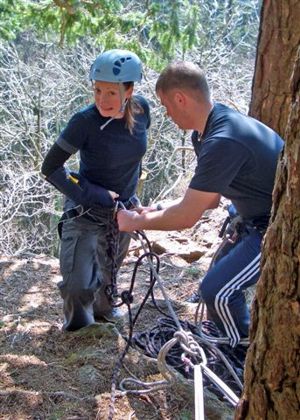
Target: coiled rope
[(178, 346)]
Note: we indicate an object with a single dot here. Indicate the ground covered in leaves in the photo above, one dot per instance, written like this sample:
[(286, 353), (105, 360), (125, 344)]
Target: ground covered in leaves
[(49, 374)]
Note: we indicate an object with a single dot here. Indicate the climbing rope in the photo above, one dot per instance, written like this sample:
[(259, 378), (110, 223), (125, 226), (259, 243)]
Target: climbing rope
[(197, 353), (214, 335), (209, 334), (221, 359), (126, 297), (113, 238)]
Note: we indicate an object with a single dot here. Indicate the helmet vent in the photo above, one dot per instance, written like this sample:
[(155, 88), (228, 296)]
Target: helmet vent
[(116, 71), (116, 66)]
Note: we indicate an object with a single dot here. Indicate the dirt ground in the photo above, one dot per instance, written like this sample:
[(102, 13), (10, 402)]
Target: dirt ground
[(49, 374)]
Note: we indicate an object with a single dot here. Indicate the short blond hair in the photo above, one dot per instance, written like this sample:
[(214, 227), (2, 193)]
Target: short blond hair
[(183, 75)]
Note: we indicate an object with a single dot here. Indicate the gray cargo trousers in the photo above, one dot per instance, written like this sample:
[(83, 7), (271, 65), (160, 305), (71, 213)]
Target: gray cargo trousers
[(86, 267)]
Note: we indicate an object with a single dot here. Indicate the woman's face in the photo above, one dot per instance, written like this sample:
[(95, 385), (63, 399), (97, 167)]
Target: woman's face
[(109, 98)]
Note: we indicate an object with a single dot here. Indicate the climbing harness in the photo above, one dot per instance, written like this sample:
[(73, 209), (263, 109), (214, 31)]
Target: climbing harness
[(233, 229), (73, 213)]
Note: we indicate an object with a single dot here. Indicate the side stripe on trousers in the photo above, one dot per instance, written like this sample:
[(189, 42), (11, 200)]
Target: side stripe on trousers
[(222, 298)]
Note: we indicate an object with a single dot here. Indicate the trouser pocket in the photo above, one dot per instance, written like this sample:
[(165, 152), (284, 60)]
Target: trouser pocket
[(67, 254)]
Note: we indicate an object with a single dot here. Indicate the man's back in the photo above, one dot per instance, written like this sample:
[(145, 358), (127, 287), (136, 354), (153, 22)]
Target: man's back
[(237, 157)]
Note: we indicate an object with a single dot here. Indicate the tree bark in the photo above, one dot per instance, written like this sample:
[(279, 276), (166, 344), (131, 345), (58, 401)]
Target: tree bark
[(278, 42), (272, 380)]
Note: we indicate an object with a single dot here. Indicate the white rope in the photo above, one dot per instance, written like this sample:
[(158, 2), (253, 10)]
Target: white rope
[(233, 399), (198, 393), (148, 386), (190, 347), (159, 282)]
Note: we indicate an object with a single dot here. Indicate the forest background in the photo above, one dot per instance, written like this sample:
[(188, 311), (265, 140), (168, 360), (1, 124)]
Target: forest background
[(46, 49)]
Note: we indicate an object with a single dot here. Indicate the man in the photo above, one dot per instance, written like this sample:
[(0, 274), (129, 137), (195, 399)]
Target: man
[(236, 158)]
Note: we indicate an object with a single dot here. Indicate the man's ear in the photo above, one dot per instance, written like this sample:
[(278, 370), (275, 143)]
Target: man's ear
[(180, 98)]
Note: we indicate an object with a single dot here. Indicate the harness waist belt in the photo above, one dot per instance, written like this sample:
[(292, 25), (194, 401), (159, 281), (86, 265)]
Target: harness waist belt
[(90, 214)]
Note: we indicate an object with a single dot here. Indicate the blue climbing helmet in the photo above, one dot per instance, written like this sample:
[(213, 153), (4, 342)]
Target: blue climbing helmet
[(117, 66)]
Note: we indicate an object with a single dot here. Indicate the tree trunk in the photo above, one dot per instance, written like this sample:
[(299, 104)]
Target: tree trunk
[(278, 43), (272, 383)]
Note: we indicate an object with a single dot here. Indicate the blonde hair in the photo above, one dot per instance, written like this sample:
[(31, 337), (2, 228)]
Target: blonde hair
[(183, 75), (131, 109)]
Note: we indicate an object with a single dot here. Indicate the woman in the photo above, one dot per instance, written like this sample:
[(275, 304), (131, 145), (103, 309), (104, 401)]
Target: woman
[(110, 136)]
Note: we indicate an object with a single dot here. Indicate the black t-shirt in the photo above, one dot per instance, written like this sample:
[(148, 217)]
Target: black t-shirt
[(110, 157), (237, 158)]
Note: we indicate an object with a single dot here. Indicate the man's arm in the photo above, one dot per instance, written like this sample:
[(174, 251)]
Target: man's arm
[(181, 215)]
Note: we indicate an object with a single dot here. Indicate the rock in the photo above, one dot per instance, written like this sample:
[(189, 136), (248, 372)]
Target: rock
[(176, 243), (98, 330), (89, 375)]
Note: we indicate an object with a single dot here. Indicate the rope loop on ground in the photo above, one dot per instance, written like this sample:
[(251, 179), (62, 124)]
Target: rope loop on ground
[(148, 386), (184, 351), (162, 365)]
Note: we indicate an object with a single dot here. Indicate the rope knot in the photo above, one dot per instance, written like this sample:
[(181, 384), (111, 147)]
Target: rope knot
[(187, 342)]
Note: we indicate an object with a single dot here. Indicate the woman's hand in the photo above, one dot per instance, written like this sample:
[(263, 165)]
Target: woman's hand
[(113, 194)]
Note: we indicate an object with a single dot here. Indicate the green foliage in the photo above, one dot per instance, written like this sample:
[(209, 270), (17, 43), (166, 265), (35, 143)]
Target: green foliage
[(154, 29), (173, 26), (157, 30), (11, 21)]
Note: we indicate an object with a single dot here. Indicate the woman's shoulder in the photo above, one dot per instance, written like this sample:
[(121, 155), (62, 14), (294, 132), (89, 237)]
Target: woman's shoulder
[(89, 111), (141, 110), (85, 117), (142, 101)]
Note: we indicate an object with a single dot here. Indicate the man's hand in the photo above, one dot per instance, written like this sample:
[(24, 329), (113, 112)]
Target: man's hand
[(128, 220), (184, 214), (144, 210)]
